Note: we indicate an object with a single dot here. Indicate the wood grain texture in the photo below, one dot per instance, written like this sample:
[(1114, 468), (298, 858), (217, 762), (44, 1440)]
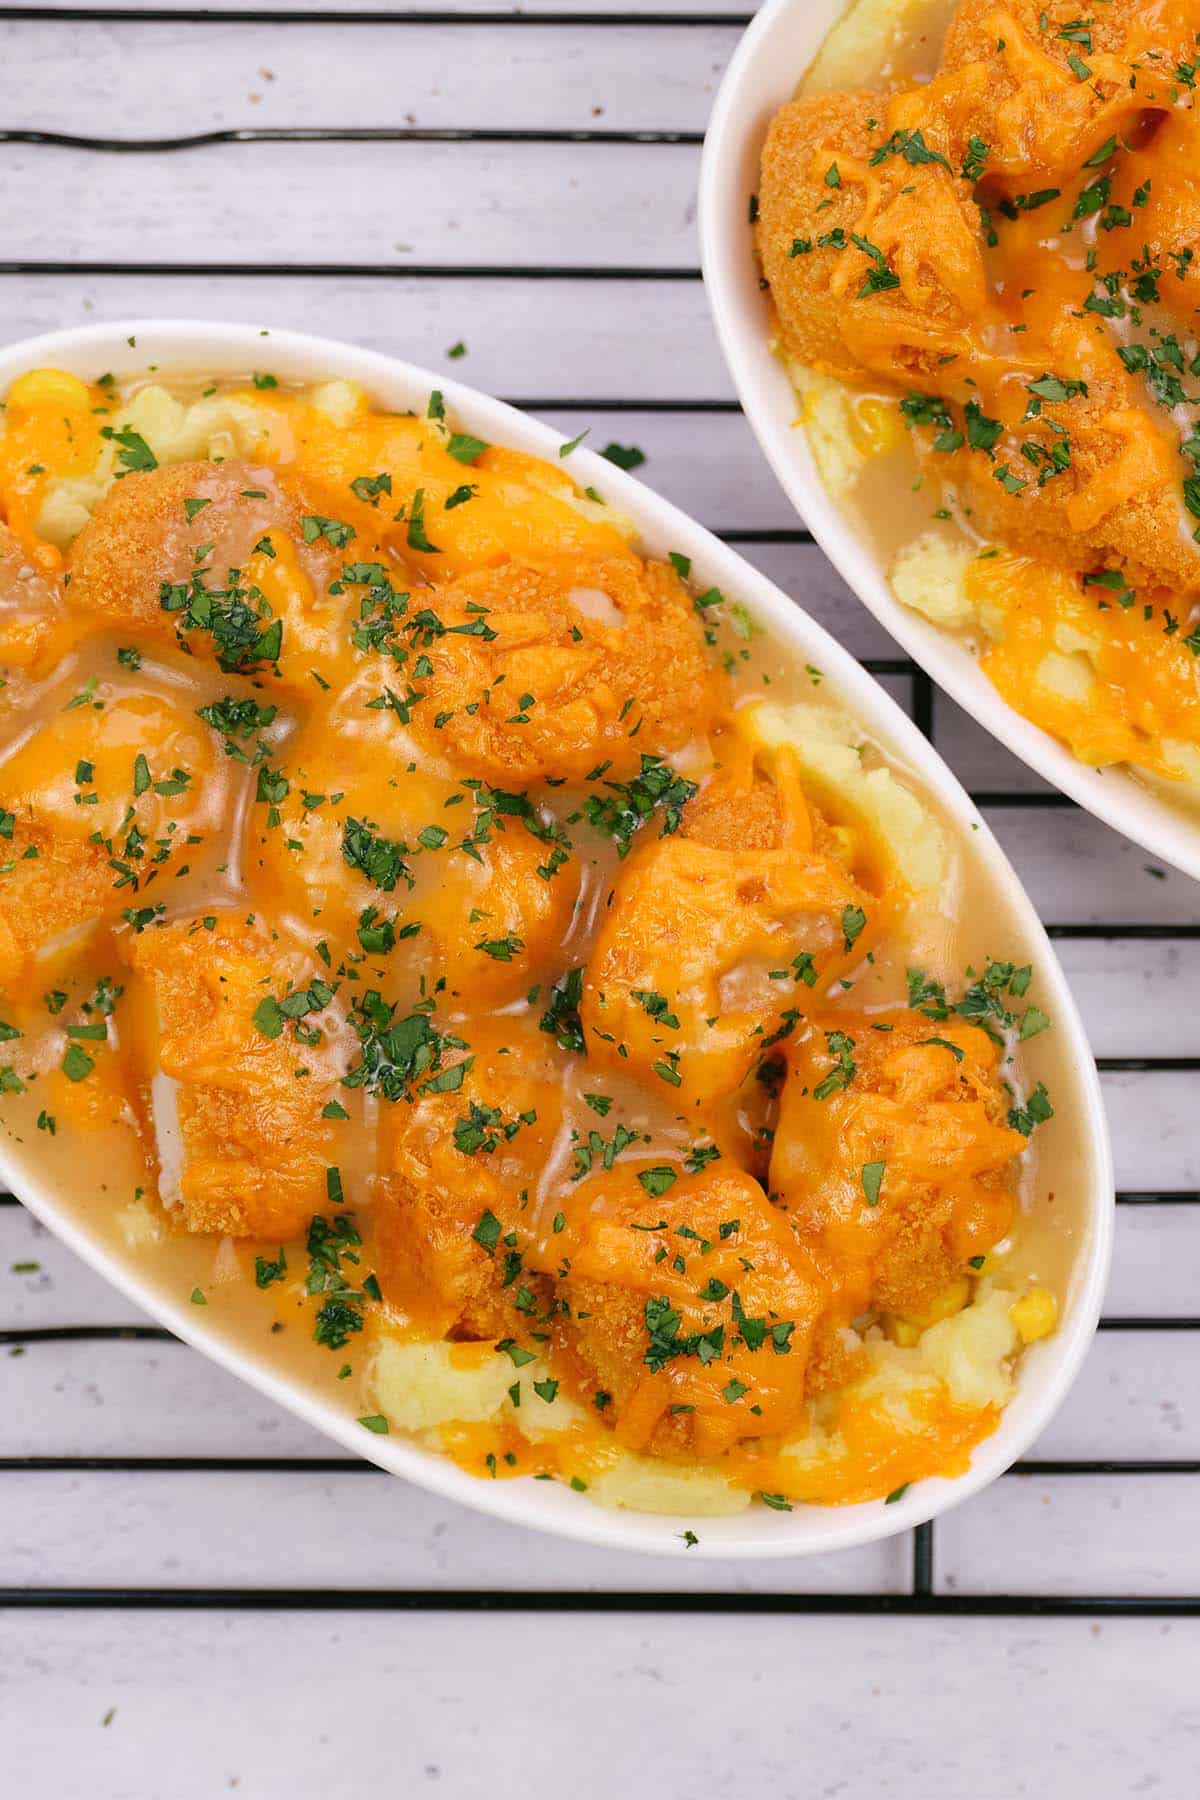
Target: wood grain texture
[(699, 1710), (462, 205), (119, 81)]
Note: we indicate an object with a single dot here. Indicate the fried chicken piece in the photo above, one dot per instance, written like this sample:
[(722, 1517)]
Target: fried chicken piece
[(234, 562), (1118, 498), (105, 799), (717, 936), (874, 261), (925, 1101), (463, 1164), (370, 843), (692, 1307), (1043, 86), (238, 1096), (413, 477), (551, 671)]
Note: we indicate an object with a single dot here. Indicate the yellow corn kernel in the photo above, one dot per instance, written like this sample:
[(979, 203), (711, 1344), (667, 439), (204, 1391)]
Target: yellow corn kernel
[(903, 1332), (906, 1329), (47, 387), (875, 426), (1035, 1314)]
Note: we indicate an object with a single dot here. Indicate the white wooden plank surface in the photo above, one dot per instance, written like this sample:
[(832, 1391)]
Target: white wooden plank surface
[(1077, 871), (146, 1529), (465, 205), (698, 1709), (379, 11), (701, 1706), (1152, 1120), (120, 80), (1131, 1534)]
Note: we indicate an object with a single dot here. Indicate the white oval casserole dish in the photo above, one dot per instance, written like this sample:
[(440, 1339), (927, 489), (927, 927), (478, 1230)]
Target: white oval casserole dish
[(1083, 1174), (768, 64)]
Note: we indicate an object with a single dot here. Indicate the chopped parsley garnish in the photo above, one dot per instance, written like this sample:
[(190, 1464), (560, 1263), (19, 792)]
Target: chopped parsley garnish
[(417, 539), (628, 804), (561, 1018), (656, 1181), (134, 454), (1035, 1111), (665, 1344), (854, 921), (369, 487), (841, 1048), (236, 719), (872, 1181), (398, 1054), (912, 147), (267, 1269), (625, 456), (334, 531), (232, 616), (380, 859)]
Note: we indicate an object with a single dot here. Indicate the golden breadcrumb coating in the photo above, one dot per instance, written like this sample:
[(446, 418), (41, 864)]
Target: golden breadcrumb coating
[(549, 672), (916, 228), (919, 1103), (457, 1164), (695, 966), (254, 1148), (705, 1345), (235, 562)]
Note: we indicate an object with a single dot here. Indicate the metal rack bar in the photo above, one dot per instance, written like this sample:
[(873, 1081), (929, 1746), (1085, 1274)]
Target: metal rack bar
[(239, 1599)]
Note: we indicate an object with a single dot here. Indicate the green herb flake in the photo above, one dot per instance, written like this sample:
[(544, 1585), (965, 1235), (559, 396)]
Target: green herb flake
[(872, 1181)]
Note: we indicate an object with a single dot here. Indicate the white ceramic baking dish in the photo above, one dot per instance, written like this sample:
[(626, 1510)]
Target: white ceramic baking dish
[(1084, 1190), (766, 68)]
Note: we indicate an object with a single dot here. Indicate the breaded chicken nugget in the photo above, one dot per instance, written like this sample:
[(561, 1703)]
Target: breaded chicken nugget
[(714, 941), (693, 1308), (423, 871), (869, 241), (97, 806), (892, 1158), (238, 1097), (1090, 478), (548, 672), (1158, 187), (458, 1162), (1043, 83), (232, 561)]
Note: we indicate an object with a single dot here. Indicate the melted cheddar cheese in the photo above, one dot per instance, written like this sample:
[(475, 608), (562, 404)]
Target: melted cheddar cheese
[(1011, 251), (401, 874)]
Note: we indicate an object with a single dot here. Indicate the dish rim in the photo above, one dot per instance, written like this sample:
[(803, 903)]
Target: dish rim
[(1048, 1368), (763, 73)]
